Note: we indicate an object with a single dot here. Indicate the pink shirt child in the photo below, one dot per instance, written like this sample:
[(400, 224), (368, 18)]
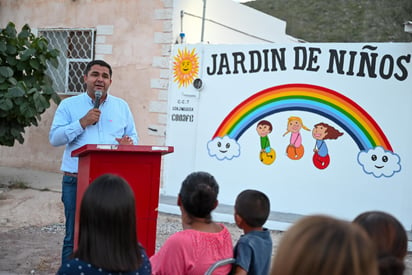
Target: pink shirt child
[(192, 252), (296, 139)]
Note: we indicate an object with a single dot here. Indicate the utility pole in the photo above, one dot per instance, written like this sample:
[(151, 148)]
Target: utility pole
[(203, 21)]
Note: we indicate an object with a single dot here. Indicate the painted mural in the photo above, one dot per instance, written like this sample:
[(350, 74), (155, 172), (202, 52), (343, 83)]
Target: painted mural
[(376, 155), (320, 128)]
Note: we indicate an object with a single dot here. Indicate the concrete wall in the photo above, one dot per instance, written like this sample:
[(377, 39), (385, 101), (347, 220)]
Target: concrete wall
[(131, 36)]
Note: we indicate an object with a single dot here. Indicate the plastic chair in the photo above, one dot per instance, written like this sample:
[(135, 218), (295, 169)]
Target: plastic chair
[(219, 264)]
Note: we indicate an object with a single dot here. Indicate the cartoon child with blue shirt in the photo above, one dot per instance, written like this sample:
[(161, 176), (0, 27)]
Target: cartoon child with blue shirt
[(321, 132)]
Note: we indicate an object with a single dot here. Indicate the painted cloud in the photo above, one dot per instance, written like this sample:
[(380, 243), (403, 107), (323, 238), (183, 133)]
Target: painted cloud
[(379, 162), (223, 148)]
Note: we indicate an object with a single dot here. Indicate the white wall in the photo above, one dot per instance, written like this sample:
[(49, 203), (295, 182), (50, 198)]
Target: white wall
[(368, 105)]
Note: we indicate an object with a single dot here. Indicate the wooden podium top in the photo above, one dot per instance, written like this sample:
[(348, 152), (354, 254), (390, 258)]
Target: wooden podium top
[(122, 148)]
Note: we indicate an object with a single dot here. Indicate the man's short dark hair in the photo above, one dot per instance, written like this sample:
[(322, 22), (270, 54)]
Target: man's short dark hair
[(253, 207), (98, 62)]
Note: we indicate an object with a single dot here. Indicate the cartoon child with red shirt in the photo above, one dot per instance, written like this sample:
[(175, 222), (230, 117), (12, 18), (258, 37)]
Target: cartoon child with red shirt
[(321, 132)]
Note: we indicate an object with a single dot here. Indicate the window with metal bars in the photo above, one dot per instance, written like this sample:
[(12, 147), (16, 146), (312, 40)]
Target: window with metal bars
[(76, 50)]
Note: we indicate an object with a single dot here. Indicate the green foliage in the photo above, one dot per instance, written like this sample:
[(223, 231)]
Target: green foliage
[(341, 20), (25, 88)]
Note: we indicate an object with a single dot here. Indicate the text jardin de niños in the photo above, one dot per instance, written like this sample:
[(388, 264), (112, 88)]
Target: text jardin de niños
[(365, 63)]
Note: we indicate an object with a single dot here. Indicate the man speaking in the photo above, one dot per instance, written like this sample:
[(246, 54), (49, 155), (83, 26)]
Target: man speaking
[(94, 117)]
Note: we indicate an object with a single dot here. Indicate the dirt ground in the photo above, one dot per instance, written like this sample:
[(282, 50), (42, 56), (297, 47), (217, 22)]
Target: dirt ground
[(32, 230)]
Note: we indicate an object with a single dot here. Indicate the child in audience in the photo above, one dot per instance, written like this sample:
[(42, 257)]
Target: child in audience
[(253, 251), (107, 232), (202, 241), (323, 245), (390, 239)]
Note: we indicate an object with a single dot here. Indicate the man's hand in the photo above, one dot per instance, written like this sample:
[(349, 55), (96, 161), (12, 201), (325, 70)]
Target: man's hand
[(90, 118), (126, 140)]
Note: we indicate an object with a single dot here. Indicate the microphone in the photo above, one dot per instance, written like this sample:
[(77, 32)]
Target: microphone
[(97, 96)]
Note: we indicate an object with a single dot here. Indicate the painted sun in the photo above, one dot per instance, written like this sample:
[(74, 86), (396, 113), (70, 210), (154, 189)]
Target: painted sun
[(185, 67)]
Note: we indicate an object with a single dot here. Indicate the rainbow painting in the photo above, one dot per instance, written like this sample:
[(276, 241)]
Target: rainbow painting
[(363, 129)]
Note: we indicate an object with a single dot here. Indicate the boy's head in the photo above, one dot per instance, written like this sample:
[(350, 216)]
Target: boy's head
[(253, 207)]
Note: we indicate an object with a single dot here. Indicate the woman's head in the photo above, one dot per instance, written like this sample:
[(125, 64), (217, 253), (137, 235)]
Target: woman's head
[(389, 237), (324, 245), (198, 195), (107, 226)]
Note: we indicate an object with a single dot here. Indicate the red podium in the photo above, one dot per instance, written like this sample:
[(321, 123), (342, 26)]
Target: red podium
[(140, 166)]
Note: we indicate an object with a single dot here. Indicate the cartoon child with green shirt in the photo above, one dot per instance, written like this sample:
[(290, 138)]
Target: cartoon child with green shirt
[(267, 154)]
